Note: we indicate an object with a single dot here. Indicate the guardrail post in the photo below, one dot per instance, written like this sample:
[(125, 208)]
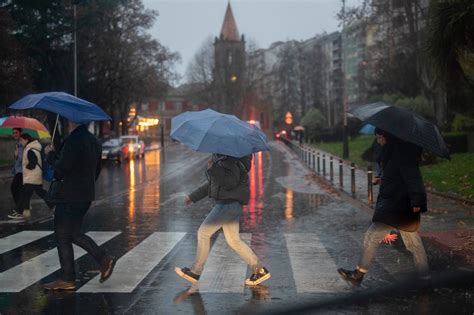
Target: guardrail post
[(370, 188), (314, 159), (331, 169), (353, 182), (341, 175), (319, 167), (324, 165)]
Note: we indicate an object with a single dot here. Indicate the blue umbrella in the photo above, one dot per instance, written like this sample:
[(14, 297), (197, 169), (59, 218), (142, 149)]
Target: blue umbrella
[(65, 105), (368, 129), (213, 132)]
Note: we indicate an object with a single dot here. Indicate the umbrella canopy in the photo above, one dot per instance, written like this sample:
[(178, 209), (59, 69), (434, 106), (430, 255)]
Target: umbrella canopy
[(367, 129), (404, 124), (213, 132), (28, 125), (70, 107)]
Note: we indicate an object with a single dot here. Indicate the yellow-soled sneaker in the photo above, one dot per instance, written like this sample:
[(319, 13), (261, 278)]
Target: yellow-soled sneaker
[(258, 277), (187, 274)]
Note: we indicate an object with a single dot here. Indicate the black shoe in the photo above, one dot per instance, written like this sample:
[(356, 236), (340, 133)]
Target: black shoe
[(258, 277), (60, 285), (106, 268), (187, 274), (355, 277)]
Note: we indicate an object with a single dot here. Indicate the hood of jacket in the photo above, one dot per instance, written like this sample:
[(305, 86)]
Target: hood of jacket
[(246, 160), (35, 144)]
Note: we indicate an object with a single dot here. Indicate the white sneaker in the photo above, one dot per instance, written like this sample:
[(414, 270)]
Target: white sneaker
[(16, 216)]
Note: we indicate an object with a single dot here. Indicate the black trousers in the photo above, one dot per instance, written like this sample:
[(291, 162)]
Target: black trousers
[(15, 187), (68, 218), (26, 194)]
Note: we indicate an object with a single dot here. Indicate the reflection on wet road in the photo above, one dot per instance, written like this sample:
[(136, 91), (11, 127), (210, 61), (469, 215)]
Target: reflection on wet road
[(302, 232)]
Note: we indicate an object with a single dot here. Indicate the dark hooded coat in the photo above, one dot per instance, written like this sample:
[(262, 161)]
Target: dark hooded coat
[(402, 186)]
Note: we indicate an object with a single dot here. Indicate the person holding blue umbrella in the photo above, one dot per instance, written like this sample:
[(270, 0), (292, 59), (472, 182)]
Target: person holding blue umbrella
[(231, 142), (76, 168)]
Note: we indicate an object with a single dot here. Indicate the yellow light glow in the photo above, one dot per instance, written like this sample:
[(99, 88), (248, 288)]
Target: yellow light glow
[(233, 78), (131, 205), (289, 205)]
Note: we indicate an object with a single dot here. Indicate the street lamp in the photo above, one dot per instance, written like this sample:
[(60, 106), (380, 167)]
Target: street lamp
[(75, 47), (345, 133)]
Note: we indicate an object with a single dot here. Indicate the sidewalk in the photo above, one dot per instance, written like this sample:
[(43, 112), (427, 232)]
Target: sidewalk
[(448, 224)]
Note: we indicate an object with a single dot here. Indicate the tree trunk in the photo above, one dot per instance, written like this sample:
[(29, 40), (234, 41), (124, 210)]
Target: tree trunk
[(440, 105)]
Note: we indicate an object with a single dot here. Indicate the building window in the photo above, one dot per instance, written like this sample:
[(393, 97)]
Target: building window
[(178, 106), (162, 105), (229, 57)]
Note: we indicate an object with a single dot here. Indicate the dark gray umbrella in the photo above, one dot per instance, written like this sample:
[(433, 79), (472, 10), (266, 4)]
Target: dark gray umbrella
[(404, 124)]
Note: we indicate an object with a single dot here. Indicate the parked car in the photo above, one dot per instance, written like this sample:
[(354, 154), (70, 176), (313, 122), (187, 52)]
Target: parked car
[(133, 147), (113, 149)]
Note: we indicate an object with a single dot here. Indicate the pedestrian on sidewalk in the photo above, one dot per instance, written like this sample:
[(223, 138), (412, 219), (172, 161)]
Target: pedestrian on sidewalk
[(32, 177), (17, 182), (401, 199), (76, 168), (228, 184)]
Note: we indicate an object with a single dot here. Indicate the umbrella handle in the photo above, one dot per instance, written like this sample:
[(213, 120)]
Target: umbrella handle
[(55, 127)]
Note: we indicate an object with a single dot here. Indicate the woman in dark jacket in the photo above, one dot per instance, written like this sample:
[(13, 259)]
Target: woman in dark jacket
[(228, 184), (401, 199)]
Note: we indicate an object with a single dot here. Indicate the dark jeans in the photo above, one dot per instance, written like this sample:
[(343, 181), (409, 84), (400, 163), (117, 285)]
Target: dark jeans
[(15, 187), (26, 194), (68, 218)]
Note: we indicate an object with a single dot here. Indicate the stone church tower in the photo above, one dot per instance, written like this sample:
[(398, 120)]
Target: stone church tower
[(229, 66)]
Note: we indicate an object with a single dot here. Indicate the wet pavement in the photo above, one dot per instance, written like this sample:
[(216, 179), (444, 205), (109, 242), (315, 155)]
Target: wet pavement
[(300, 227)]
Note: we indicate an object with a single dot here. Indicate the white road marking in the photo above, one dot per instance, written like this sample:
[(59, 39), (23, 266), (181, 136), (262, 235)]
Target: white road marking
[(135, 265), (25, 274)]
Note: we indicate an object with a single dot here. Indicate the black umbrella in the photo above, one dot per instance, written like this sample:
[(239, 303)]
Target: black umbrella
[(404, 124)]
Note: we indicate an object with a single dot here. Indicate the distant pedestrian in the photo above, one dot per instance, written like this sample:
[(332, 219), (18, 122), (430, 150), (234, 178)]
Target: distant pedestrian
[(32, 176), (76, 167), (17, 182), (228, 184), (401, 199)]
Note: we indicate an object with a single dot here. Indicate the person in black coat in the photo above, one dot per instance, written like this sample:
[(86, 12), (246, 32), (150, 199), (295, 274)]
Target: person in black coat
[(401, 199), (76, 168)]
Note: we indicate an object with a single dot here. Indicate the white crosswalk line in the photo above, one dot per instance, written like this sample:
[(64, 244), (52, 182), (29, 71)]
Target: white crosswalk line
[(314, 270), (135, 265), (22, 276), (225, 271), (21, 238)]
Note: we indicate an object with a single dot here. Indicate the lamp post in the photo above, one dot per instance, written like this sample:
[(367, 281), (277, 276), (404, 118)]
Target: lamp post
[(75, 48), (345, 133)]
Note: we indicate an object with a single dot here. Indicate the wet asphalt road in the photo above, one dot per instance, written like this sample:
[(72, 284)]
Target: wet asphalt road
[(301, 230)]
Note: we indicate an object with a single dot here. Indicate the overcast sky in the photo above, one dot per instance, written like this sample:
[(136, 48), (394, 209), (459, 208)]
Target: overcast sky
[(183, 25)]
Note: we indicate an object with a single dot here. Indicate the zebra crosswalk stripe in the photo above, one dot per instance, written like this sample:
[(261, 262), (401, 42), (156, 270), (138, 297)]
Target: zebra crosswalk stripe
[(225, 271), (20, 239), (135, 265), (22, 276), (314, 270)]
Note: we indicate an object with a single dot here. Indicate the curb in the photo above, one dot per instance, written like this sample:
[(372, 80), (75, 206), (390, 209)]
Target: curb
[(450, 196)]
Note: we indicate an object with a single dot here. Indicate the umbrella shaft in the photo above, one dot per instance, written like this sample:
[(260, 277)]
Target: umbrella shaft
[(55, 127)]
